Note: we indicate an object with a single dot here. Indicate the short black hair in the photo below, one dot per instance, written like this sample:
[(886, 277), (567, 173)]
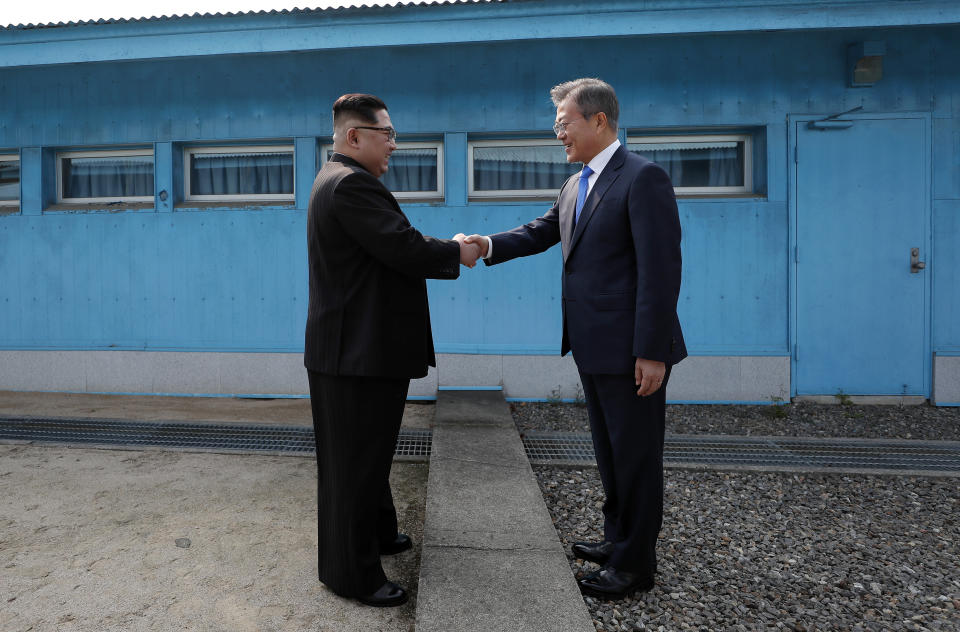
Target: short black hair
[(364, 106)]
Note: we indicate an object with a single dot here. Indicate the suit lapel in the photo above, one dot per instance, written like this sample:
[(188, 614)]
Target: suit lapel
[(607, 177), (567, 205)]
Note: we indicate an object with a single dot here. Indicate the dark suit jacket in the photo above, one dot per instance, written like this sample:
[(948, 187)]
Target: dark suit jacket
[(368, 312), (621, 266)]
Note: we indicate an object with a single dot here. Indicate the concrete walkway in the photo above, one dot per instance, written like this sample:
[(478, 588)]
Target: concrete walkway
[(100, 540), (104, 540), (491, 558)]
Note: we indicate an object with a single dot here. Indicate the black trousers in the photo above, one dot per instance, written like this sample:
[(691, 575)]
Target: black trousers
[(628, 441), (356, 421)]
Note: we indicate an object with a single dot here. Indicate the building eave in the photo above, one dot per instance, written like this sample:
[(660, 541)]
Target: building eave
[(456, 23)]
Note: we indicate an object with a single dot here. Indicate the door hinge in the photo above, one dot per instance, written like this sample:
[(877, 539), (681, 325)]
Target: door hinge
[(796, 254), (796, 154), (795, 356)]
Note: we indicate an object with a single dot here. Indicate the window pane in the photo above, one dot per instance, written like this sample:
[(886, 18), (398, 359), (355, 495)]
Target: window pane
[(697, 163), (108, 177), (520, 168), (9, 180), (412, 170), (241, 174)]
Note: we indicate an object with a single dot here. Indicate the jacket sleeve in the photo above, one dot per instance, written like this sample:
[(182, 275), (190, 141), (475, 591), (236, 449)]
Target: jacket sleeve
[(531, 238), (366, 213), (655, 230)]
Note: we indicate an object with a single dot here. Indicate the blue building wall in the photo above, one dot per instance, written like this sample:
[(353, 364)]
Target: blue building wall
[(234, 279)]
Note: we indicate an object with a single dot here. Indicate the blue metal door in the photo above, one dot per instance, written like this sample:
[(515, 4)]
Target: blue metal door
[(861, 217)]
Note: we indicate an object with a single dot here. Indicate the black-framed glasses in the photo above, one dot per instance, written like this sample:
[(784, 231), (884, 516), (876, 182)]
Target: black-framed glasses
[(391, 133)]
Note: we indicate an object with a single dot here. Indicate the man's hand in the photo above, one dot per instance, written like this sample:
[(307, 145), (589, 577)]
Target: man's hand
[(469, 252), (481, 241), (648, 375)]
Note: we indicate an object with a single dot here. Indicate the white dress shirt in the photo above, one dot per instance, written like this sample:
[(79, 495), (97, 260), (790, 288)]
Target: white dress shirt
[(597, 164)]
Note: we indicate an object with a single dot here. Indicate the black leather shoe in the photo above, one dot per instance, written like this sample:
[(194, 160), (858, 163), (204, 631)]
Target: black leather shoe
[(400, 544), (386, 596), (596, 552), (609, 583)]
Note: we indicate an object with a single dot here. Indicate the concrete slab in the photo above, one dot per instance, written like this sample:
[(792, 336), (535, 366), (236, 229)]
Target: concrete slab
[(459, 443), (498, 591), (240, 410), (491, 557), (946, 380), (865, 400), (473, 408), (498, 502), (127, 541)]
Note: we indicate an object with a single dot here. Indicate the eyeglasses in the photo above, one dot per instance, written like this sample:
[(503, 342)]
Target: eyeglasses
[(391, 133), (562, 127)]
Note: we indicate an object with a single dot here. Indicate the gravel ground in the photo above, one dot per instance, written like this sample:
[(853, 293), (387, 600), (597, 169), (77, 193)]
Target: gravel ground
[(791, 420), (758, 551)]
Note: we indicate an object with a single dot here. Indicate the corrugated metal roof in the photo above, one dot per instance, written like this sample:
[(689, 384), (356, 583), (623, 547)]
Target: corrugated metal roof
[(263, 12)]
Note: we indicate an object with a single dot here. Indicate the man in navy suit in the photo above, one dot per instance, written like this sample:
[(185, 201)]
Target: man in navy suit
[(618, 227)]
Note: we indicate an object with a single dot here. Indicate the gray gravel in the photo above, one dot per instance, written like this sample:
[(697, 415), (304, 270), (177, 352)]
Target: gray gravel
[(757, 551), (791, 420)]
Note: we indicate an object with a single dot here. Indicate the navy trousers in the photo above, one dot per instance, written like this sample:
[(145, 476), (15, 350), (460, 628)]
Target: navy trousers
[(356, 421), (628, 441)]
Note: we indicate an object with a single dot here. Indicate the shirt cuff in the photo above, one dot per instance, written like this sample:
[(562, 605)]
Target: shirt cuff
[(489, 248)]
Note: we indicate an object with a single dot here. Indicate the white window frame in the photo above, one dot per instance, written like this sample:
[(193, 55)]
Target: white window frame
[(746, 139), (509, 193), (188, 152), (436, 194), (12, 158), (105, 153)]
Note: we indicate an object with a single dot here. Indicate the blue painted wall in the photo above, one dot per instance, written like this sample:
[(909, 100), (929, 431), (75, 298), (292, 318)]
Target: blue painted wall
[(222, 279)]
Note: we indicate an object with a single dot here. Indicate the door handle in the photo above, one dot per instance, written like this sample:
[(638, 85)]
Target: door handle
[(915, 264)]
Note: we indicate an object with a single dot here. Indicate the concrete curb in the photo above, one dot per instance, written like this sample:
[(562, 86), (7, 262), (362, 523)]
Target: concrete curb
[(491, 560)]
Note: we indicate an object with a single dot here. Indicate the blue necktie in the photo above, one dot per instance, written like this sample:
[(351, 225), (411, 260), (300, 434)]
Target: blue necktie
[(582, 191)]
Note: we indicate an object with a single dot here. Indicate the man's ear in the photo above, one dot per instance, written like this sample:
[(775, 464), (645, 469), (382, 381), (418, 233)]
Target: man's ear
[(353, 137), (602, 121)]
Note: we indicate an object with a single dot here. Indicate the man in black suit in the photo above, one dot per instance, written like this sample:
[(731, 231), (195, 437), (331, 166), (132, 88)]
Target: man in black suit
[(367, 334), (619, 229)]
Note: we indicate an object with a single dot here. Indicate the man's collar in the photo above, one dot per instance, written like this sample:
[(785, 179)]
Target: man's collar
[(599, 162), (347, 160)]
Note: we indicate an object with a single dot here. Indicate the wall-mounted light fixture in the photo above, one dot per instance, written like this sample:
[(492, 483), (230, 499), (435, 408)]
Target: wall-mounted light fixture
[(865, 63)]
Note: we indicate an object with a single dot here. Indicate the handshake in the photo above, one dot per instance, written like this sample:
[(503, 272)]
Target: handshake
[(471, 248)]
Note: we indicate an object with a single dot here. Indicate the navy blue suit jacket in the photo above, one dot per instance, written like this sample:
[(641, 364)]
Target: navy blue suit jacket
[(621, 265)]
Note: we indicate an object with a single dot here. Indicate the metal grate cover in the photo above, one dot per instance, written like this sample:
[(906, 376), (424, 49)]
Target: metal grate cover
[(411, 443), (792, 452), (541, 447)]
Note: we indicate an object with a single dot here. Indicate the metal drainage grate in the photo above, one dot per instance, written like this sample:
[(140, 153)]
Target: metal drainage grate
[(544, 447), (411, 443), (548, 446)]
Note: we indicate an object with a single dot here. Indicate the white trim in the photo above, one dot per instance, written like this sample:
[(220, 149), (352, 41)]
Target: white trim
[(699, 140), (238, 149), (509, 193), (436, 194), (696, 379), (106, 153), (12, 158)]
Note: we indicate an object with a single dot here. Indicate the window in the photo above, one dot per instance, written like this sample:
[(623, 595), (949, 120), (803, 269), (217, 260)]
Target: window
[(415, 172), (517, 168), (251, 173), (718, 164), (105, 176), (9, 181)]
